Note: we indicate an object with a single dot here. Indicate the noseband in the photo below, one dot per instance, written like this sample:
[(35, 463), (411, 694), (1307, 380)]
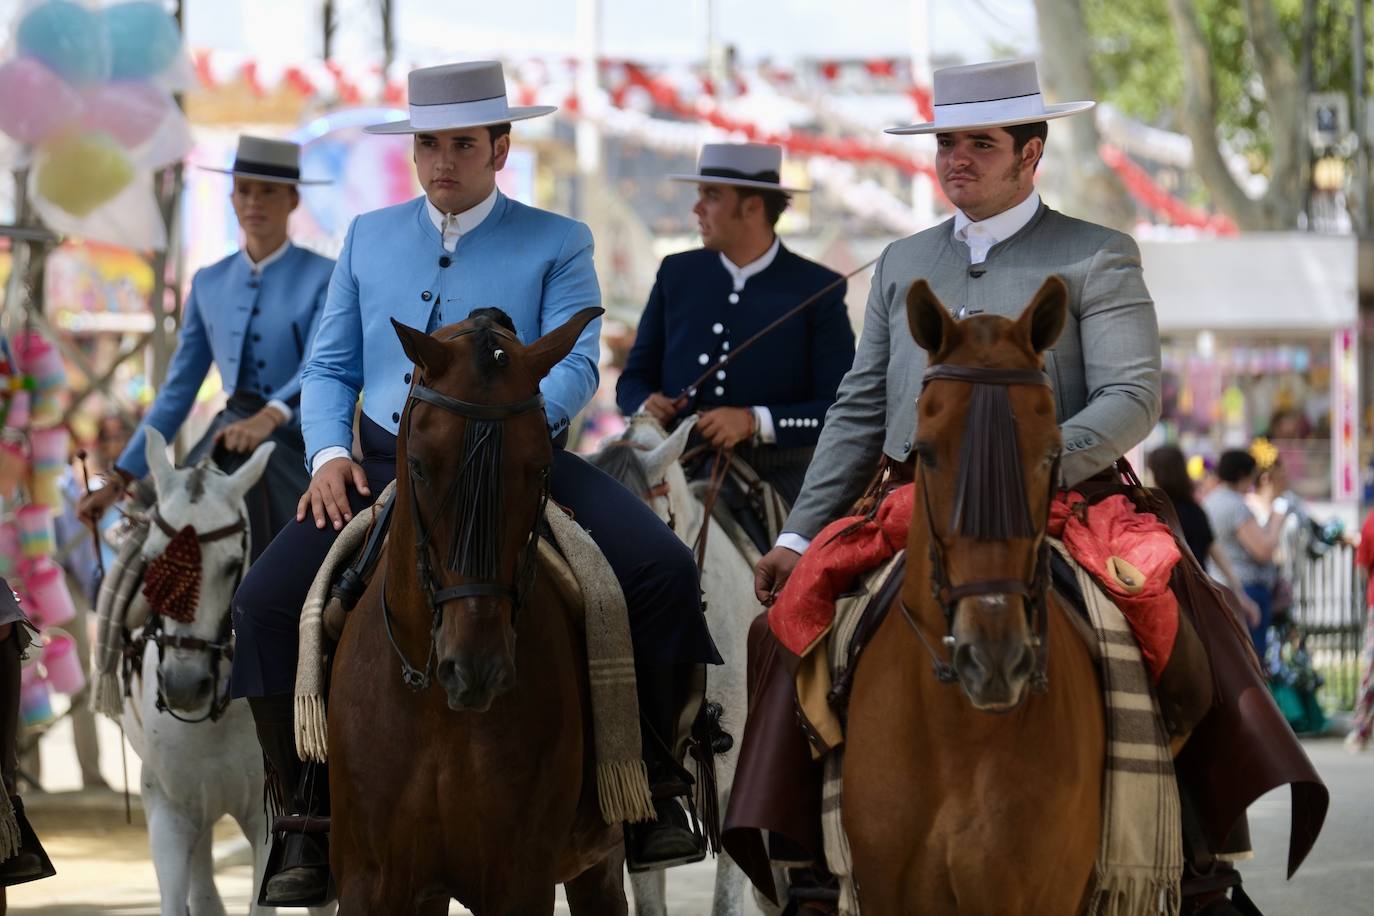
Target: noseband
[(1010, 523), (220, 650), (420, 678)]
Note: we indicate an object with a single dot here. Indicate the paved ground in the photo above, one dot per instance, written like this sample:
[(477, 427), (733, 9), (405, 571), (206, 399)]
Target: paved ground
[(105, 867)]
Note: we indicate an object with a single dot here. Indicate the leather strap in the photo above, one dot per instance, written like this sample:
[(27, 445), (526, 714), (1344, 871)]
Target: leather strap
[(982, 375), (476, 411), (217, 534)]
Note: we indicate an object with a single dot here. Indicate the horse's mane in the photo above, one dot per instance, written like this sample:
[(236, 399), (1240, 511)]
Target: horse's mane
[(621, 460)]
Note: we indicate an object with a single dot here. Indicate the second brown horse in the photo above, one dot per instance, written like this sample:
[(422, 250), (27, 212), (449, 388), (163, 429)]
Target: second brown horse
[(985, 802), (459, 718)]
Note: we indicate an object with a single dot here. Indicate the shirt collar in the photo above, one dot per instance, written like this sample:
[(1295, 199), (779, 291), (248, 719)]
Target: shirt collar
[(740, 274), (257, 267), (1000, 227), (464, 222)]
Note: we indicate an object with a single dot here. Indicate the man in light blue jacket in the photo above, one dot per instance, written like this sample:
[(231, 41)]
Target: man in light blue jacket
[(431, 262), (252, 315)]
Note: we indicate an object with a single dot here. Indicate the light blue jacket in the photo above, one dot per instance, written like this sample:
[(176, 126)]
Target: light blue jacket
[(534, 265), (255, 330)]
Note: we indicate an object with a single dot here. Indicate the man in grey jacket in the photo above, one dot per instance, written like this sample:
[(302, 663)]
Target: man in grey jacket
[(1001, 244)]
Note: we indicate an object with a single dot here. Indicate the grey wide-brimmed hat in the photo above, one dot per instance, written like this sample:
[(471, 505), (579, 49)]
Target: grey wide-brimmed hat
[(454, 96), (742, 165), (998, 94), (268, 160)]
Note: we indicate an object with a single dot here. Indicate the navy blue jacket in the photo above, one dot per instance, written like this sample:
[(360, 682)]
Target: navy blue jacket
[(689, 323)]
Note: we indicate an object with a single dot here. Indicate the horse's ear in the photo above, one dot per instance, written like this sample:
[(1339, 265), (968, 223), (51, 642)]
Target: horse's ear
[(549, 350), (155, 450), (428, 354), (668, 452), (931, 325), (1043, 320), (242, 480)]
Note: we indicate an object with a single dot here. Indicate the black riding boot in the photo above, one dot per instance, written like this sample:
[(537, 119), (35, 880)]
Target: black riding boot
[(30, 863), (298, 869), (668, 840)]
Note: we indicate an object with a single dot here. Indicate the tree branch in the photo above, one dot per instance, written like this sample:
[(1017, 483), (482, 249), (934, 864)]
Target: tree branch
[(1200, 120)]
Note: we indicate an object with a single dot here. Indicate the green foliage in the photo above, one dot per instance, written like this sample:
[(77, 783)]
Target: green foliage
[(1138, 67)]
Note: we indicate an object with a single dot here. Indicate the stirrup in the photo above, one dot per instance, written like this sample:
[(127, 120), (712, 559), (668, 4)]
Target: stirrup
[(288, 836), (672, 812)]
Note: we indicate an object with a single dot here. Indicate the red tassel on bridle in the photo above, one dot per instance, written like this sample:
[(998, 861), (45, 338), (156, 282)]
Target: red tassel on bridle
[(172, 581)]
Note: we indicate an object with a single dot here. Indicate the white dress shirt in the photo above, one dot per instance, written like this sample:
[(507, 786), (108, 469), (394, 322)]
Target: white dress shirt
[(257, 267), (452, 227), (767, 434), (980, 236)]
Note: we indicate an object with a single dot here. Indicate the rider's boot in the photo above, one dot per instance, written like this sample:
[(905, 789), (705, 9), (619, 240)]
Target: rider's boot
[(668, 839), (300, 875), (30, 862)]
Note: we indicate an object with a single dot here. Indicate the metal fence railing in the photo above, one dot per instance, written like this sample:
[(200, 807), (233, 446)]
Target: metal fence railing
[(1329, 605)]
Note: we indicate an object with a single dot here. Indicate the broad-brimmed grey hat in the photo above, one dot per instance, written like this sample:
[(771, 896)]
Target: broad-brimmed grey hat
[(1002, 93), (454, 96), (742, 165), (268, 160)]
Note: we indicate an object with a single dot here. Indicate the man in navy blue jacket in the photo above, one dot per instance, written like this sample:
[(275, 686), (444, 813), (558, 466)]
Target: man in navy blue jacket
[(770, 404)]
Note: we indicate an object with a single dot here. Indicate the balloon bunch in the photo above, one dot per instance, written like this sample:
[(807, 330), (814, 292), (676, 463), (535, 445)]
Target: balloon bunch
[(88, 96)]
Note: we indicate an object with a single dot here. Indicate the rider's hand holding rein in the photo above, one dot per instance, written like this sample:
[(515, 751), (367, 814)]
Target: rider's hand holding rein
[(726, 427), (772, 573), (246, 435), (93, 505), (328, 492)]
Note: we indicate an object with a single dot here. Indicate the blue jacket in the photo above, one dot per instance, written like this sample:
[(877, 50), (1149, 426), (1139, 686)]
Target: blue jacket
[(689, 323), (534, 265), (255, 330)]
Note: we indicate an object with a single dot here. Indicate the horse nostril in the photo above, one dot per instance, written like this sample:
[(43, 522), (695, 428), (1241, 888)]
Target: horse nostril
[(969, 664), (1024, 664)]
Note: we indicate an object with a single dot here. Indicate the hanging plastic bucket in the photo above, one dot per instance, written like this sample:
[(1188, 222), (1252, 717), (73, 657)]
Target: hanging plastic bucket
[(36, 531), (35, 701), (52, 600), (62, 664)]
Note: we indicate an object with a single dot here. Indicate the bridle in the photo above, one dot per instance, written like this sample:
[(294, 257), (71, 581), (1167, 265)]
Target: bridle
[(948, 595), (221, 649), (420, 678)]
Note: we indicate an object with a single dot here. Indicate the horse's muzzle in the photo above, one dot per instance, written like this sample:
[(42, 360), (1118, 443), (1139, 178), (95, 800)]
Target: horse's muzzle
[(995, 675), (184, 688), (473, 681)]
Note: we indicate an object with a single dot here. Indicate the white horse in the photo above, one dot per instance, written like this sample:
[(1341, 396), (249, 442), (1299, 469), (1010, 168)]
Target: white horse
[(646, 461), (200, 752)]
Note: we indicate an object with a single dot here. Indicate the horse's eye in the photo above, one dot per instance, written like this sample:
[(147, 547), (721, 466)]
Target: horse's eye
[(416, 472)]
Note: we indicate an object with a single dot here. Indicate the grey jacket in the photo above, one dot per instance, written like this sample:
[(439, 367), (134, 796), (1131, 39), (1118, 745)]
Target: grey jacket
[(1105, 367)]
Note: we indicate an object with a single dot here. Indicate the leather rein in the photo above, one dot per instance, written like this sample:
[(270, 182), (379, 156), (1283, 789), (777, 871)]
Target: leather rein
[(948, 595), (420, 678), (221, 649)]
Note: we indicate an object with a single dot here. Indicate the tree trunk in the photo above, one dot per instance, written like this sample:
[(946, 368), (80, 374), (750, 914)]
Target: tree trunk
[(1066, 75), (1285, 106)]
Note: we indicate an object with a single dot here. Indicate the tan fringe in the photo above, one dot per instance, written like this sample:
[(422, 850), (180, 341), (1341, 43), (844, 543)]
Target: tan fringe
[(312, 732), (1131, 895), (10, 839), (106, 697), (623, 788)]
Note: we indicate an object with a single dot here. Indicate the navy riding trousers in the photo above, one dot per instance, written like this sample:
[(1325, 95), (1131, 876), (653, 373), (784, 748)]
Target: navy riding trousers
[(656, 570)]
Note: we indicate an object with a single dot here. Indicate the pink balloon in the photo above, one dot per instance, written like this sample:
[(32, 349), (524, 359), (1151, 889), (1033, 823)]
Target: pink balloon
[(128, 111), (38, 103)]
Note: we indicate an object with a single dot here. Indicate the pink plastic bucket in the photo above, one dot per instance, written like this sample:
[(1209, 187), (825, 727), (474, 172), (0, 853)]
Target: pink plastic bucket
[(49, 447), (35, 531), (52, 602), (62, 663), (18, 416)]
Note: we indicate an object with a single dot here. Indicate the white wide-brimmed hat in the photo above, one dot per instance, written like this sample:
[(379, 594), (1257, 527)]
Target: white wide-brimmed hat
[(998, 94), (455, 96), (268, 160), (742, 165)]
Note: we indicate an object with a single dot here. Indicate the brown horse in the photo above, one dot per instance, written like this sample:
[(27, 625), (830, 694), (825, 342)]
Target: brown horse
[(987, 803), (483, 791)]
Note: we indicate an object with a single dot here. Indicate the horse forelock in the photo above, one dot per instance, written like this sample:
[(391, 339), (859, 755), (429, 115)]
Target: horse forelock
[(623, 461), (195, 483)]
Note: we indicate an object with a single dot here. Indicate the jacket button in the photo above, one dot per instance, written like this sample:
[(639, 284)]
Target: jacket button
[(426, 295), (257, 338), (407, 378), (256, 310), (262, 364), (445, 261), (266, 389), (906, 446), (717, 328), (734, 297), (395, 418)]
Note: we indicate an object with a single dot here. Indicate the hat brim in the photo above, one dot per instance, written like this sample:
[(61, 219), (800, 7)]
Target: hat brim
[(1051, 112), (274, 179), (521, 113), (739, 183)]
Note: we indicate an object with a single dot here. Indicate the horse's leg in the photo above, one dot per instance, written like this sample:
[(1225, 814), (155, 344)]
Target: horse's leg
[(172, 838), (729, 893), (203, 898), (650, 892), (600, 890)]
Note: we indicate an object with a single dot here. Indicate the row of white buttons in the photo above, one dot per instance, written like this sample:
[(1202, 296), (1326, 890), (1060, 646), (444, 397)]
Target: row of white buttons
[(799, 421)]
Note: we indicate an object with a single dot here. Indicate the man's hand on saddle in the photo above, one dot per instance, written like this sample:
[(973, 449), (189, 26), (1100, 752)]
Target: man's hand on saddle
[(94, 504), (327, 497), (726, 427), (245, 435), (772, 573), (662, 408)]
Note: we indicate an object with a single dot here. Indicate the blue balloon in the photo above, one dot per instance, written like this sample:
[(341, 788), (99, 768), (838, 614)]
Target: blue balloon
[(69, 39), (144, 39)]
